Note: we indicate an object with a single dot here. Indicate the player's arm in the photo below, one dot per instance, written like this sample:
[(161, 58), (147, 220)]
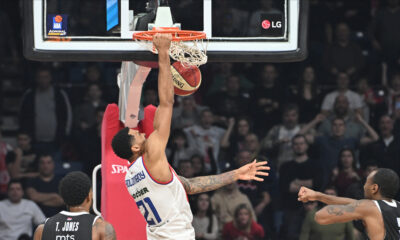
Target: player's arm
[(38, 232), (163, 115), (209, 183), (343, 213), (306, 195)]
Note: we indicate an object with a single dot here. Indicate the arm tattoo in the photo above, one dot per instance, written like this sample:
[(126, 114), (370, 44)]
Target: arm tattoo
[(339, 210), (207, 183), (110, 232)]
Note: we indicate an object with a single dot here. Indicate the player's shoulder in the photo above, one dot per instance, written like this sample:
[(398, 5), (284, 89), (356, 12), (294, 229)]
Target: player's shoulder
[(104, 228)]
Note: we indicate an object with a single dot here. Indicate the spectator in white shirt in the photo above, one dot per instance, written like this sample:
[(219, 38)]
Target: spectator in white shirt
[(206, 138), (355, 101), (18, 215)]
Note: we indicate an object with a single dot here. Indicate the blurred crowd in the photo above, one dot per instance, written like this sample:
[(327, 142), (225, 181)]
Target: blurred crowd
[(324, 123)]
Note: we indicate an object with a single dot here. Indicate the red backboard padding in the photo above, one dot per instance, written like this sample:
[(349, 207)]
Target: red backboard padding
[(117, 206)]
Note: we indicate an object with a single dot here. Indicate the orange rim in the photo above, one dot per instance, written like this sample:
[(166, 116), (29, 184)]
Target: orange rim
[(177, 34)]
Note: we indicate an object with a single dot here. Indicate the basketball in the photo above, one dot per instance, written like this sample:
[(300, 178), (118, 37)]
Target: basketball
[(187, 79), (58, 18)]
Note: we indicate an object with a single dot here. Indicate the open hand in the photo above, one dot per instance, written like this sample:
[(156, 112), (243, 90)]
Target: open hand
[(306, 195), (251, 170)]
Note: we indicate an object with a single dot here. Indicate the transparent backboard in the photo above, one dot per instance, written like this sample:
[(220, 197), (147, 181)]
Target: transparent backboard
[(101, 30)]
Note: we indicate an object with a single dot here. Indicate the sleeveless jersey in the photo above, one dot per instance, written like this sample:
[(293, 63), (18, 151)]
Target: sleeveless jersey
[(69, 226), (391, 218), (164, 206)]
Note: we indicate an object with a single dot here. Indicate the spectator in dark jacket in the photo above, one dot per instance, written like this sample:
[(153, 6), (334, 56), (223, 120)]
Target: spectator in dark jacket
[(45, 112)]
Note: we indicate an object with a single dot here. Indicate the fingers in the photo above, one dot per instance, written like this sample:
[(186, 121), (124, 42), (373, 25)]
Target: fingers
[(262, 173), (263, 168), (258, 179), (261, 163)]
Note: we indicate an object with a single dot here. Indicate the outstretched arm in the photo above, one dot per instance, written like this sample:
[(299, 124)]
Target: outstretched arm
[(210, 183), (343, 213), (306, 194), (104, 230), (163, 115)]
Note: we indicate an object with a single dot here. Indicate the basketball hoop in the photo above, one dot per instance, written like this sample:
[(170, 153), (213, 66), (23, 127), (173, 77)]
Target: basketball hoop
[(187, 46)]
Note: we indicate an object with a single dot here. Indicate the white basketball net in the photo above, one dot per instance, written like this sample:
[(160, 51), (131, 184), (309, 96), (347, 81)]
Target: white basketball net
[(189, 53)]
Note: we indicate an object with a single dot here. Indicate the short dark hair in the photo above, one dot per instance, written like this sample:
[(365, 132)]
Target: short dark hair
[(122, 144), (74, 188), (300, 136), (290, 107), (388, 182), (14, 181)]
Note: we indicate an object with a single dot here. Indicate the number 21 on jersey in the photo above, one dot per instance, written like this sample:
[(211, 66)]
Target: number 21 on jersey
[(146, 206)]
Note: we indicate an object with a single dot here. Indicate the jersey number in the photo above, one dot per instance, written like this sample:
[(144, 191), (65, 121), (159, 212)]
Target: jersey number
[(147, 205)]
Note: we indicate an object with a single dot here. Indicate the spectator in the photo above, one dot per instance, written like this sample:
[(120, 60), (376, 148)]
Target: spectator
[(343, 56), (342, 110), (232, 20), (301, 171), (393, 96), (44, 189), (307, 95), (45, 113), (187, 114), (18, 216), (355, 101), (259, 193), (88, 143), (4, 175), (205, 222), (230, 102), (198, 165), (279, 139), (387, 149), (311, 230), (329, 147), (224, 71), (185, 169), (179, 148), (234, 137), (348, 173), (226, 200), (206, 138), (85, 113), (21, 163), (266, 100), (386, 32), (150, 96), (356, 189), (242, 226), (370, 98)]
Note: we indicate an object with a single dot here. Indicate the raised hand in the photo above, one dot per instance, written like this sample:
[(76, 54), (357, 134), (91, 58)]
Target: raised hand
[(306, 194), (162, 41), (250, 171)]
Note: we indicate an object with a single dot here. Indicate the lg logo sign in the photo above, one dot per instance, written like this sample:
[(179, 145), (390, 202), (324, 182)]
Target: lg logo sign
[(266, 24)]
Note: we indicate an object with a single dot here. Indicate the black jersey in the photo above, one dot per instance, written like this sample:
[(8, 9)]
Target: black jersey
[(69, 226), (391, 218)]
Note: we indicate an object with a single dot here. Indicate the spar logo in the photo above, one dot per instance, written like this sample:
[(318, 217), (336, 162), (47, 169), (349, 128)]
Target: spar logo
[(267, 24), (117, 169)]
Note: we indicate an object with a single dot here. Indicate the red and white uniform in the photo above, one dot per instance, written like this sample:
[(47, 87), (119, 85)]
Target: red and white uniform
[(164, 205)]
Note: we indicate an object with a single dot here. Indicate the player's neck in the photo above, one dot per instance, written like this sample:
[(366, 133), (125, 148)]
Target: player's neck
[(78, 209)]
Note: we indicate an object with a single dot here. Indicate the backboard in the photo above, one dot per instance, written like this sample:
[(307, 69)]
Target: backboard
[(101, 30)]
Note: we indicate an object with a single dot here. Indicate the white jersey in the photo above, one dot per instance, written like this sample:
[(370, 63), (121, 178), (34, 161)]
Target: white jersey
[(164, 206)]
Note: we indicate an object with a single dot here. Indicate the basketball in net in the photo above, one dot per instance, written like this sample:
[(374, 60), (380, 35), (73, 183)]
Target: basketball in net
[(187, 79), (186, 47)]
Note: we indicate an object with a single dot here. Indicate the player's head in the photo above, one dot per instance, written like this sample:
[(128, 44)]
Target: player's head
[(381, 183), (128, 142), (76, 190)]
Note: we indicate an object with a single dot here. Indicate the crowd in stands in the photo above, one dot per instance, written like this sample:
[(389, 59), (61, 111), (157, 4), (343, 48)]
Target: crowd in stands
[(324, 123)]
